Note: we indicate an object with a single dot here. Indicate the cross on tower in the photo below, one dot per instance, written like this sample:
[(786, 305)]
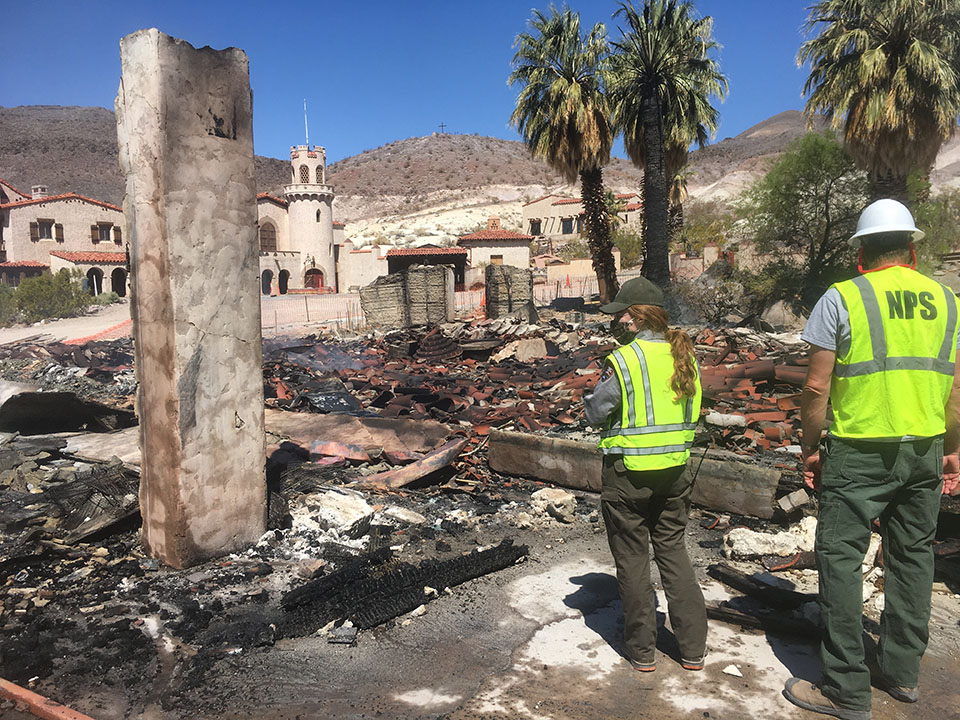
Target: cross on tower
[(442, 126)]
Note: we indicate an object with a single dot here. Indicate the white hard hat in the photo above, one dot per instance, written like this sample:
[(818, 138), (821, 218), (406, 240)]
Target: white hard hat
[(884, 216)]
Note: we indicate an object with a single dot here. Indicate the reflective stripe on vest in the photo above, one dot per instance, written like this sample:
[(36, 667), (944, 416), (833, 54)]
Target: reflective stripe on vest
[(895, 378), (653, 430)]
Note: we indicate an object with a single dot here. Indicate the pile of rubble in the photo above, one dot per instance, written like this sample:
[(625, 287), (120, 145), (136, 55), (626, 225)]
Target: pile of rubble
[(751, 385), (384, 494)]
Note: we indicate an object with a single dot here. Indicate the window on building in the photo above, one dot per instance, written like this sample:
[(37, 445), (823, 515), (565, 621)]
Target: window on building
[(319, 174), (535, 227), (496, 259), (268, 238), (566, 226), (580, 223), (304, 174), (103, 232), (318, 216), (45, 229)]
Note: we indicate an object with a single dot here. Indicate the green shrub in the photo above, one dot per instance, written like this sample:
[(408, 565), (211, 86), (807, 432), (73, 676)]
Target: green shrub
[(106, 298), (8, 306), (51, 296)]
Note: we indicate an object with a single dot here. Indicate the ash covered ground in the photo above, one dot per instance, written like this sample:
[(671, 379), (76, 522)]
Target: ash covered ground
[(359, 598)]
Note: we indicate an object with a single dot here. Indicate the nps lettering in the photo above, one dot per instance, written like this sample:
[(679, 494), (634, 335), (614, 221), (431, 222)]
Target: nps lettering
[(902, 303)]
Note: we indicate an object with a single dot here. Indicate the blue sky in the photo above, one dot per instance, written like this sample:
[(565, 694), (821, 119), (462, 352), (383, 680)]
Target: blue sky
[(371, 72)]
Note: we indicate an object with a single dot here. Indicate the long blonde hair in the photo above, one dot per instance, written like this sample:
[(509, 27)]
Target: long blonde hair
[(684, 379)]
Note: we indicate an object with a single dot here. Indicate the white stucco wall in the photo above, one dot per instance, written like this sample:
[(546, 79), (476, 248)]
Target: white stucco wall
[(514, 252), (360, 267), (75, 215), (269, 211)]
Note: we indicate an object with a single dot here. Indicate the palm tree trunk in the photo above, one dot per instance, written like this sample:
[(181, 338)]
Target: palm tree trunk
[(655, 191), (598, 232), (888, 185)]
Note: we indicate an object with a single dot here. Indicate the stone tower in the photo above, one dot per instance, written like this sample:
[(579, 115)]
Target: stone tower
[(310, 215)]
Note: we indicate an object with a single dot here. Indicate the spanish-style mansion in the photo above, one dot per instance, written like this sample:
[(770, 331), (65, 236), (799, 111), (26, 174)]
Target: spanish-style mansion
[(302, 249)]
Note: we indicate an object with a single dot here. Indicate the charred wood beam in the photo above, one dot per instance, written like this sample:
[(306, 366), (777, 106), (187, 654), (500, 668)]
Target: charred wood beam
[(775, 597), (774, 624)]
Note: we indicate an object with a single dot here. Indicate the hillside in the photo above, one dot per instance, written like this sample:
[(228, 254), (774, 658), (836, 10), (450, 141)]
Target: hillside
[(74, 149), (412, 187)]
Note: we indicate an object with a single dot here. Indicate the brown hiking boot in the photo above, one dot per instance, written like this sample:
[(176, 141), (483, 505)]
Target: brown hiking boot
[(808, 696)]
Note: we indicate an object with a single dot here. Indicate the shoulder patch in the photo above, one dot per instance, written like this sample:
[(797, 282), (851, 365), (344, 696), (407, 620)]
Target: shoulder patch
[(607, 373)]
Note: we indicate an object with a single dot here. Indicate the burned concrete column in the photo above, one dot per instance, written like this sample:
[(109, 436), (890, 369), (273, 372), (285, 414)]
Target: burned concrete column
[(184, 125)]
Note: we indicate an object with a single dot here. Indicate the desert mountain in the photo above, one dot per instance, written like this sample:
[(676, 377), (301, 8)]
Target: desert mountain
[(439, 185)]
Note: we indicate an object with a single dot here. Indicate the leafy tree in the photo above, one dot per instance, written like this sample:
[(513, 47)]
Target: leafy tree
[(51, 296), (888, 73), (706, 222), (614, 206), (630, 243), (805, 208), (939, 218), (575, 249), (564, 118), (660, 81)]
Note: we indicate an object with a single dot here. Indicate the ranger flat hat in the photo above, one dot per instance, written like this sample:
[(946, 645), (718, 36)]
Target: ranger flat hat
[(638, 291)]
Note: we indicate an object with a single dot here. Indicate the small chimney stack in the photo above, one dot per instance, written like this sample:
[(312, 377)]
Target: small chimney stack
[(38, 191), (493, 223)]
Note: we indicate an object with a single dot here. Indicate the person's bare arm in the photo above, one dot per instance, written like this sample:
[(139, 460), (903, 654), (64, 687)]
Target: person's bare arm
[(813, 410), (816, 393), (951, 443)]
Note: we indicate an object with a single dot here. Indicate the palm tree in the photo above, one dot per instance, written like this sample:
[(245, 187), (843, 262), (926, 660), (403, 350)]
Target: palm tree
[(564, 118), (888, 73), (660, 82)]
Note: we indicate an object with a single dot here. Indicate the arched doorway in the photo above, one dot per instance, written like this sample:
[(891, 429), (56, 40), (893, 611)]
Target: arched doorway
[(313, 279), (95, 281), (118, 282), (284, 280), (266, 277)]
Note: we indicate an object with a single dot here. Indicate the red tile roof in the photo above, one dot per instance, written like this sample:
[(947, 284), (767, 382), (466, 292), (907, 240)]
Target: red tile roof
[(538, 200), (272, 198), (23, 264), (496, 235), (570, 201), (633, 206), (426, 251), (64, 196), (18, 192), (338, 224), (91, 257)]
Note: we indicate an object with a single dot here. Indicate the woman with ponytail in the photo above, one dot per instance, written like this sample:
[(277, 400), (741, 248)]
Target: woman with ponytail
[(647, 403)]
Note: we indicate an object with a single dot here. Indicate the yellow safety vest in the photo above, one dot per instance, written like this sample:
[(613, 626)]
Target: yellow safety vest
[(654, 431), (894, 380)]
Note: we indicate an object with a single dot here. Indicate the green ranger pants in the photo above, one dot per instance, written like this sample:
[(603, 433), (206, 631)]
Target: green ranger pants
[(639, 508), (900, 484)]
